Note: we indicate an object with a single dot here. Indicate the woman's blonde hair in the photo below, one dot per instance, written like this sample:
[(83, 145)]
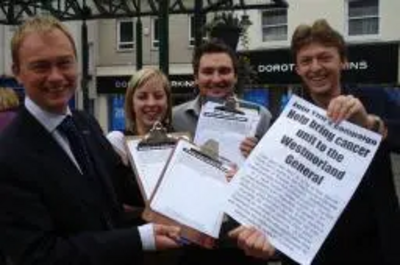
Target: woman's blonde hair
[(8, 99), (137, 80)]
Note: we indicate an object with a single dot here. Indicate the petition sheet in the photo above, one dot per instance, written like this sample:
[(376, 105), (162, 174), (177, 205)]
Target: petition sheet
[(300, 177), (227, 128), (192, 190), (149, 162)]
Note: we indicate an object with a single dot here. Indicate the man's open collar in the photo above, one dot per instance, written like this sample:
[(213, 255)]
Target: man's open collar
[(194, 106)]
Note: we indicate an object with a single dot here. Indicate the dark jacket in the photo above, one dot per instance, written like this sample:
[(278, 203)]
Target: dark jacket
[(52, 214), (6, 117)]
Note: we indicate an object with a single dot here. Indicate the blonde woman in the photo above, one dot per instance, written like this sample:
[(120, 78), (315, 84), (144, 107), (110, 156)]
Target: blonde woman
[(147, 100)]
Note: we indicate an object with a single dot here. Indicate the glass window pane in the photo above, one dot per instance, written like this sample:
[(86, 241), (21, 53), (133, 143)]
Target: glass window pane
[(363, 8), (273, 17), (364, 26), (155, 29), (124, 46), (275, 33), (155, 44), (126, 31), (192, 27), (192, 30)]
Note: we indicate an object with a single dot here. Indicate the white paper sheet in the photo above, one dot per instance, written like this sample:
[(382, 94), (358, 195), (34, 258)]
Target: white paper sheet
[(228, 129), (149, 163), (192, 191), (297, 181)]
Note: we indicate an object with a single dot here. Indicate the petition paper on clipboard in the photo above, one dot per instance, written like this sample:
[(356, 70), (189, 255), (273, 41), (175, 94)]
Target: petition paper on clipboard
[(192, 190), (148, 162), (300, 177), (227, 128)]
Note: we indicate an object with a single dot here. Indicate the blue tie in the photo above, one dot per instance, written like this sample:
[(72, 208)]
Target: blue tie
[(79, 148), (77, 144)]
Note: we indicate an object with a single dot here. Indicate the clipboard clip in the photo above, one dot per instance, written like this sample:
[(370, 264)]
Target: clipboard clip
[(210, 149), (230, 106), (157, 136)]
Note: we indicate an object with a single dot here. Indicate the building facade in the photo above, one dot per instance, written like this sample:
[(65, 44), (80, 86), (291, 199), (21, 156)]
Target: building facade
[(369, 26)]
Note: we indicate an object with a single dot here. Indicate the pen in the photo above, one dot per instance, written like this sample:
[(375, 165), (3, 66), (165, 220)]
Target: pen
[(183, 241)]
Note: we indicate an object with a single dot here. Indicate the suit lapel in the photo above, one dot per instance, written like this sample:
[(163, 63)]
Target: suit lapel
[(44, 143), (63, 171), (90, 136)]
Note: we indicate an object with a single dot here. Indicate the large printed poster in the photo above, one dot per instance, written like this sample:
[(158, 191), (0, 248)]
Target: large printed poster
[(300, 177)]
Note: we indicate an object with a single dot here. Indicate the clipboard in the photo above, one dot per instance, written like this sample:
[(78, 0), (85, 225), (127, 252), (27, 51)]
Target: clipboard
[(231, 105), (148, 155), (207, 155), (229, 125)]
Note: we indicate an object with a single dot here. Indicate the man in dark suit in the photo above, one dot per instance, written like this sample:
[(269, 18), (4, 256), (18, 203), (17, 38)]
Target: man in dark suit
[(57, 201)]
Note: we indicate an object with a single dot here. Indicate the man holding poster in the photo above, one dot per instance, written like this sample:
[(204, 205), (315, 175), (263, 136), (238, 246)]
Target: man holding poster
[(310, 194), (368, 230)]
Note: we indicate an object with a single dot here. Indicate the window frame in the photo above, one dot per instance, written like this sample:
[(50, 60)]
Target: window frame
[(190, 33), (155, 40), (363, 18), (278, 25), (121, 43)]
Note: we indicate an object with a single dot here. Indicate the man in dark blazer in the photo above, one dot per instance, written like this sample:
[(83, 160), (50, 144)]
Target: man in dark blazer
[(57, 205)]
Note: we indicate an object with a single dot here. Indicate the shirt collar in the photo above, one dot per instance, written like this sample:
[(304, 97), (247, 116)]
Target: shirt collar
[(344, 90), (49, 120), (194, 106)]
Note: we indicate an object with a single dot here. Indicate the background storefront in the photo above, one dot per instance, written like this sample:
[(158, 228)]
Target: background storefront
[(374, 64)]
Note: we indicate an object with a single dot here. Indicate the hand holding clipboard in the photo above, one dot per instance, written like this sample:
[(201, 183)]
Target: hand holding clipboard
[(182, 196), (148, 156)]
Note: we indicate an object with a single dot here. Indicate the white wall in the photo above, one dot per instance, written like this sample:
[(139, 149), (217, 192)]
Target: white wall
[(390, 20), (6, 60), (335, 12)]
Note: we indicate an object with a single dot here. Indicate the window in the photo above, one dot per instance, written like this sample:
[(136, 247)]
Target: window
[(155, 37), (363, 17), (126, 35), (192, 31), (274, 24)]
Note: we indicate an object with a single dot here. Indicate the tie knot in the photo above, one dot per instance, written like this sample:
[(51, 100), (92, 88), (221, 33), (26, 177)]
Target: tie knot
[(67, 125)]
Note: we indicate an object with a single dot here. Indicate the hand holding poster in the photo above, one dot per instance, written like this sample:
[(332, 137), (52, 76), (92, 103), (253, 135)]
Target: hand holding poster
[(300, 177)]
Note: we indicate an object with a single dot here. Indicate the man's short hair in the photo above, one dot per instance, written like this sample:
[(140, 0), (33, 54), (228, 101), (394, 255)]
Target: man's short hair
[(40, 24), (213, 46), (320, 32)]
